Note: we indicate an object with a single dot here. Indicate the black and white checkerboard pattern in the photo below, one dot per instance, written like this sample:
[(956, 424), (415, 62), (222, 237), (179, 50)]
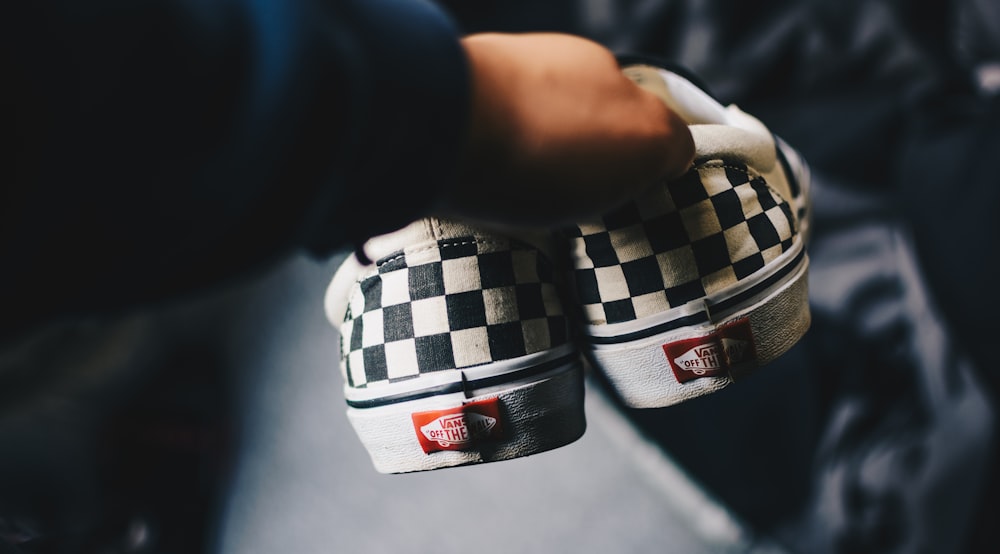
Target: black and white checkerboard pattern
[(458, 303), (717, 225)]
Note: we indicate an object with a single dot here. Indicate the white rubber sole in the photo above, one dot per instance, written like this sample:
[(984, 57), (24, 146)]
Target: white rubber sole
[(481, 414), (702, 347)]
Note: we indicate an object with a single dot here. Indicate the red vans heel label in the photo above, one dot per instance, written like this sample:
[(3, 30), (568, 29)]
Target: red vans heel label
[(458, 428), (728, 349)]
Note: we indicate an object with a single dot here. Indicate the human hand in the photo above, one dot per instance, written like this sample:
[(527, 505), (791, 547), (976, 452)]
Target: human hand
[(558, 133)]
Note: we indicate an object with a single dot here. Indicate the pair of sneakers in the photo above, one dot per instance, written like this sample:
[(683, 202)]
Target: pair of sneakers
[(461, 344)]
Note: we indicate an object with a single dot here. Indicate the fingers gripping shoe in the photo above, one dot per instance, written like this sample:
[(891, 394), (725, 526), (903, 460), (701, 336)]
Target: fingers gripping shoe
[(703, 279), (455, 348)]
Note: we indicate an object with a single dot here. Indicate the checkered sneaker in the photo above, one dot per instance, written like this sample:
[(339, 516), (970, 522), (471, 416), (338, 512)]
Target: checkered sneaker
[(699, 235), (462, 303), (704, 279), (455, 349)]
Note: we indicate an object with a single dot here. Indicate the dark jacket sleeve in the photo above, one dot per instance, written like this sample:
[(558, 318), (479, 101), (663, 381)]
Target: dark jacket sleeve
[(161, 146)]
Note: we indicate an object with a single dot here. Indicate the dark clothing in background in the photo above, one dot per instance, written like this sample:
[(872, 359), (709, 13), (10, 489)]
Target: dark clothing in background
[(158, 147)]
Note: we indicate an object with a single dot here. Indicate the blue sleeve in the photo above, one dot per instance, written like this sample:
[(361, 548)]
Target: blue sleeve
[(162, 146)]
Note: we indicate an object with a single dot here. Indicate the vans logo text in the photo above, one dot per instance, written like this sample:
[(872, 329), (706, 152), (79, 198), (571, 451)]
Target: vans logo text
[(459, 428), (728, 348), (700, 359)]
